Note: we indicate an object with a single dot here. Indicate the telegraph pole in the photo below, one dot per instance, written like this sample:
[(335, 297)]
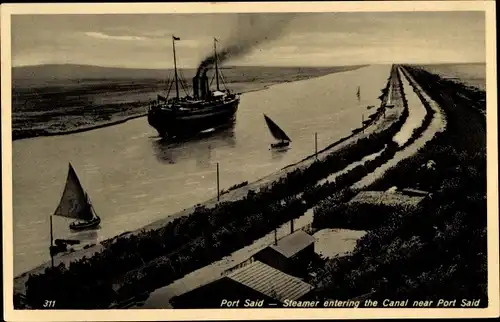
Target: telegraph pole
[(316, 144), (218, 191), (51, 243)]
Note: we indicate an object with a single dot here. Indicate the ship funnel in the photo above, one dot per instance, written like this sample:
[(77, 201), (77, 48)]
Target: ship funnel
[(204, 89), (196, 90)]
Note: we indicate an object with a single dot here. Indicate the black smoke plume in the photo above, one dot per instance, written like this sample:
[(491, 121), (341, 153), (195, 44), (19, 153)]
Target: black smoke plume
[(251, 30)]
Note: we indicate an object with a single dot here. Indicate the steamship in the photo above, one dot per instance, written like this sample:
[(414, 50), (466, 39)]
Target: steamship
[(205, 109)]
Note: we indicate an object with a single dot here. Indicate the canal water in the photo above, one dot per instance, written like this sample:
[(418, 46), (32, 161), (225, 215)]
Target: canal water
[(134, 179)]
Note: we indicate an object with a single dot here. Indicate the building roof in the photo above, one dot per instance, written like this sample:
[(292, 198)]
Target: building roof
[(293, 243), (270, 281), (387, 198)]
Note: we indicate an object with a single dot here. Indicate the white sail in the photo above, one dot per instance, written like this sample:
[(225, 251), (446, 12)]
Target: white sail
[(74, 201)]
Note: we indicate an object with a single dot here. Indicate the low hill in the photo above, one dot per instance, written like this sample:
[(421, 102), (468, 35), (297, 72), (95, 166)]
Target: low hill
[(75, 72), (70, 71)]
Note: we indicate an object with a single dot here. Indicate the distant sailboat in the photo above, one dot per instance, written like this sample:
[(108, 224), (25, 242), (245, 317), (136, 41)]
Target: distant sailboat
[(358, 94), (277, 133), (75, 204)]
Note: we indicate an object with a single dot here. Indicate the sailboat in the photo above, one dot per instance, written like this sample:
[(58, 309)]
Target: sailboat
[(277, 133), (75, 204)]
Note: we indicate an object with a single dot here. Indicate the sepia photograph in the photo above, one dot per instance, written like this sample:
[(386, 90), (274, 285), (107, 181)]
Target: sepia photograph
[(260, 157)]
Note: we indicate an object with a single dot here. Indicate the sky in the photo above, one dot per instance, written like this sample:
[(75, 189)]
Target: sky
[(293, 39)]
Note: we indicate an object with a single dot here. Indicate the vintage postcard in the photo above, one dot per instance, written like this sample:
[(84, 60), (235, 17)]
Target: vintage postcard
[(193, 161)]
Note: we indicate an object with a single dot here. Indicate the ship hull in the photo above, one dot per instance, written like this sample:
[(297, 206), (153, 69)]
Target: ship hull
[(171, 123), (280, 145)]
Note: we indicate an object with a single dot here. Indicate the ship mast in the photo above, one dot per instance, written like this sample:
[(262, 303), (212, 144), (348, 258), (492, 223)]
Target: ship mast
[(216, 64), (175, 67)]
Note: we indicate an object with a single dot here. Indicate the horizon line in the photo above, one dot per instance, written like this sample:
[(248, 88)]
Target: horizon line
[(256, 65)]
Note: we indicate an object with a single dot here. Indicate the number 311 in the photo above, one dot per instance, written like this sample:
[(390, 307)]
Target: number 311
[(48, 303)]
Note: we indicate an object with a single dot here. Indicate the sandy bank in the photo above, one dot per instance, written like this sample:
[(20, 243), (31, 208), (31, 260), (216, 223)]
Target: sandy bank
[(29, 134)]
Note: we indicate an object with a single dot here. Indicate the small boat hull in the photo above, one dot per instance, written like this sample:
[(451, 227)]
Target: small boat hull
[(280, 145), (85, 225)]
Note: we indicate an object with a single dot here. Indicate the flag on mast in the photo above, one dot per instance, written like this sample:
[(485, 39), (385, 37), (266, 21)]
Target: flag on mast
[(175, 38)]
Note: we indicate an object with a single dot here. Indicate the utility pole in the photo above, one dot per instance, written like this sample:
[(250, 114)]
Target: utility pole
[(51, 243), (316, 144), (218, 191)]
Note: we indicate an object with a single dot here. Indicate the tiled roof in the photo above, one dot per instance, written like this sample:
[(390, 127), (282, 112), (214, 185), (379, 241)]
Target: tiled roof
[(270, 281), (293, 243)]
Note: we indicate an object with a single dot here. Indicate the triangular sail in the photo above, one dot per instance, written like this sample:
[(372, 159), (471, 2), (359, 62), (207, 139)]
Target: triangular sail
[(275, 130), (358, 94), (74, 201)]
